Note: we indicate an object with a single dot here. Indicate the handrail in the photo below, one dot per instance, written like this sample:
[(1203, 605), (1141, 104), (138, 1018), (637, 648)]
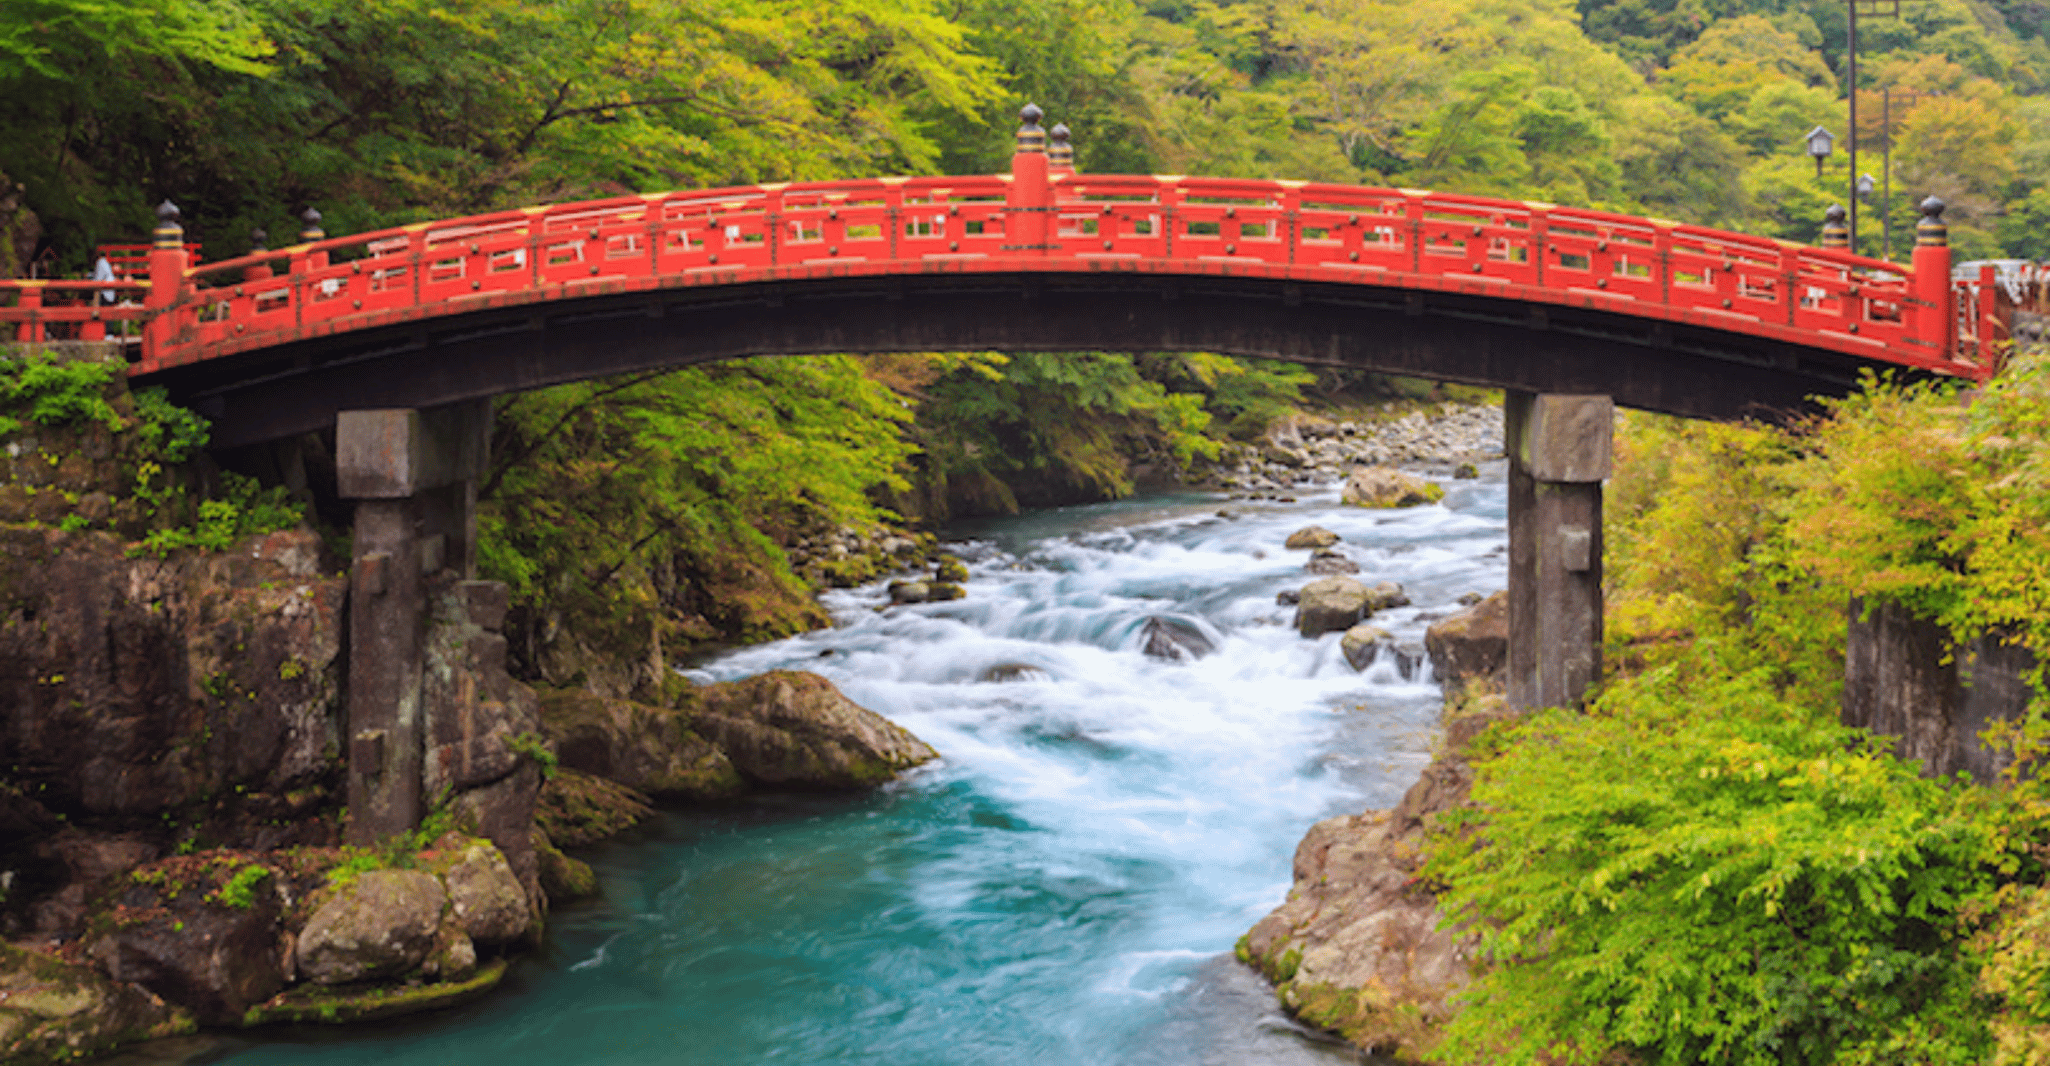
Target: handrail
[(1034, 221)]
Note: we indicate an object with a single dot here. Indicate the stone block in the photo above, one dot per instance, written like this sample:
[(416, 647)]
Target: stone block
[(1567, 438), (396, 452)]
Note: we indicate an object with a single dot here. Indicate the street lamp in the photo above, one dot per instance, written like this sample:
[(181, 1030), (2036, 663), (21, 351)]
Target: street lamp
[(1820, 141)]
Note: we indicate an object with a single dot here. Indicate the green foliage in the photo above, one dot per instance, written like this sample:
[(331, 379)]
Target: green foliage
[(1761, 887), (239, 891), (1760, 884), (532, 747), (168, 432), (650, 508), (243, 509), (42, 390)]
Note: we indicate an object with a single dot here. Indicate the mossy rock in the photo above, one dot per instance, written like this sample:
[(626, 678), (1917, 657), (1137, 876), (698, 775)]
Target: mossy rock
[(563, 877), (576, 808), (950, 568), (331, 1006), (52, 1011)]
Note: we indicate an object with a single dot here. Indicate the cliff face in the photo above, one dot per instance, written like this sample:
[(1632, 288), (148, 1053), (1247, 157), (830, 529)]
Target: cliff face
[(146, 703)]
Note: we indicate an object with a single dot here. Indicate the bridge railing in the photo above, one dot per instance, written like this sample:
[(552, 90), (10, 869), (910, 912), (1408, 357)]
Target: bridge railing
[(1534, 252), (40, 310)]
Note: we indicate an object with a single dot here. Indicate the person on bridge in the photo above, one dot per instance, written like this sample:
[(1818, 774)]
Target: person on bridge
[(103, 270)]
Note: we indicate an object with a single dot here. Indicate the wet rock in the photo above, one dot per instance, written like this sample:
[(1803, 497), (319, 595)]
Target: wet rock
[(1327, 561), (53, 1011), (381, 925), (1358, 947), (1363, 644), (1470, 643), (942, 591), (909, 591), (1174, 639), (648, 749), (1336, 604), (453, 956), (562, 877), (1288, 597), (1383, 486), (1005, 672), (794, 730), (950, 568), (1311, 537), (485, 900), (1466, 472)]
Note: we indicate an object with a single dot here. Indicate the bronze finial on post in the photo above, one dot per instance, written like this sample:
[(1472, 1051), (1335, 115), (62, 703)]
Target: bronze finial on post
[(1060, 155), (1931, 231), (259, 243), (1031, 137), (1836, 232), (168, 234), (311, 231)]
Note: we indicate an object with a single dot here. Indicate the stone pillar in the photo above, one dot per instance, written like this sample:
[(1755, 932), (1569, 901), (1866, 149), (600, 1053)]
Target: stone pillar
[(1904, 678), (1559, 454), (413, 474)]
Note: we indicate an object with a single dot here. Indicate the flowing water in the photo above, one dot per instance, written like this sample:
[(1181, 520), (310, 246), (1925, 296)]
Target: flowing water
[(1066, 884)]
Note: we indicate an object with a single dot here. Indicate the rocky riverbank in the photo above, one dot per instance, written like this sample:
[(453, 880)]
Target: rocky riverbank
[(173, 773), (1310, 449), (1357, 947)]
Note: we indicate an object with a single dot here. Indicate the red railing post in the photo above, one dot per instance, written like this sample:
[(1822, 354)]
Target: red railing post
[(167, 265), (1935, 313), (1028, 202), (31, 328), (309, 233)]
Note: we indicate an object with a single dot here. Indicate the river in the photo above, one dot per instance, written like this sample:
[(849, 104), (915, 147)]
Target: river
[(1066, 884)]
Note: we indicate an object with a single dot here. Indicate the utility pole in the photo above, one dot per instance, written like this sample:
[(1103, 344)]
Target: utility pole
[(1871, 7)]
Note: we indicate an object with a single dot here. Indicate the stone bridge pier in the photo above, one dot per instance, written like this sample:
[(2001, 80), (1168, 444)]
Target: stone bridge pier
[(1559, 449), (413, 475)]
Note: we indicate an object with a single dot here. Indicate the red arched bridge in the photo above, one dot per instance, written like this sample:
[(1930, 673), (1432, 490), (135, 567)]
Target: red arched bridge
[(392, 340), (1486, 291)]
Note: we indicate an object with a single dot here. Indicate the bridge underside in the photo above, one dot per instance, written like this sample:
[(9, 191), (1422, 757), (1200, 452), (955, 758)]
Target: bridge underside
[(1683, 369)]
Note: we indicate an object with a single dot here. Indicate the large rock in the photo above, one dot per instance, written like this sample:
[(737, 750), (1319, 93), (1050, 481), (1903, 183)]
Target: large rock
[(52, 1011), (652, 750), (178, 930), (1362, 644), (381, 925), (1471, 643), (1335, 604), (786, 729), (1311, 537), (1357, 947), (1385, 486), (486, 901), (1174, 639)]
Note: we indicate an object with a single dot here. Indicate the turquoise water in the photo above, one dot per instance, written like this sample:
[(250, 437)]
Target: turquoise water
[(1065, 885)]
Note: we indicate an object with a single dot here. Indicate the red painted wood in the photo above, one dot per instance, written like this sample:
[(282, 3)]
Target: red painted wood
[(1394, 238)]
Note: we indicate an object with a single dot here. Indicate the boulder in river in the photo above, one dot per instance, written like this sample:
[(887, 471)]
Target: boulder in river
[(1175, 639), (1336, 604), (1470, 643), (1385, 486), (950, 568), (1328, 561), (785, 729), (910, 591), (1311, 537), (380, 925), (1363, 644), (648, 749)]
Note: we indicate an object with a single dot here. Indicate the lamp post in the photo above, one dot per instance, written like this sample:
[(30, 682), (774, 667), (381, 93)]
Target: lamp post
[(1819, 142)]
